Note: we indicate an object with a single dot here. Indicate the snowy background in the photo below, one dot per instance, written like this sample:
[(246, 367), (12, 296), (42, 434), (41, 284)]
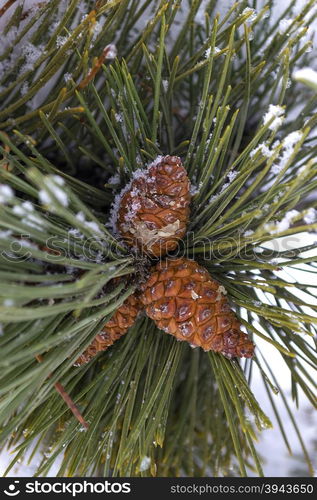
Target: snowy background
[(277, 460)]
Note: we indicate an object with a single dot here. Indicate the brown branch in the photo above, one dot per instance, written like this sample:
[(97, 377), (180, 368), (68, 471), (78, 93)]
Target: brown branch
[(6, 6), (110, 49), (68, 400)]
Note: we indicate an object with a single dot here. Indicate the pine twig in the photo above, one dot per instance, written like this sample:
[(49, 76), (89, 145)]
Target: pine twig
[(68, 400), (6, 6)]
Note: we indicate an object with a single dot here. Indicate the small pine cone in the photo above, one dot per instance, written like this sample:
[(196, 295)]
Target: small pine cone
[(115, 328), (185, 301), (153, 212)]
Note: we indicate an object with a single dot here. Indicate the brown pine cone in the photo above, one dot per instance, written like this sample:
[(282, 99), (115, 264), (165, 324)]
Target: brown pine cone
[(153, 212), (116, 327), (185, 301)]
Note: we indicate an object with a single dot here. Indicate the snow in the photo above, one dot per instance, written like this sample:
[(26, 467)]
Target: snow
[(165, 85), (263, 148), (53, 183), (31, 54), (114, 179), (28, 215), (111, 51), (282, 225), (6, 193), (275, 113), (60, 41), (68, 77), (289, 143), (89, 224), (118, 117), (195, 189), (208, 51), (284, 24), (24, 88), (307, 76), (311, 216), (251, 14), (232, 175)]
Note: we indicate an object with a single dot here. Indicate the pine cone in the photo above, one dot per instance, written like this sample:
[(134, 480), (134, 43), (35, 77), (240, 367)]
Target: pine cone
[(153, 212), (185, 301), (115, 328)]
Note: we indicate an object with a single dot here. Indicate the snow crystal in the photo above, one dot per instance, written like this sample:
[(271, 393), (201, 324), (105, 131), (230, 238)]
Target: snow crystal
[(263, 148), (284, 224), (24, 88), (68, 77), (80, 216), (6, 193), (31, 54), (118, 117), (232, 175), (111, 51), (251, 13), (114, 179), (248, 233), (61, 40), (276, 112), (165, 85), (310, 216), (52, 184), (208, 52), (145, 464), (289, 144), (307, 76), (26, 212), (292, 139), (195, 189), (284, 24)]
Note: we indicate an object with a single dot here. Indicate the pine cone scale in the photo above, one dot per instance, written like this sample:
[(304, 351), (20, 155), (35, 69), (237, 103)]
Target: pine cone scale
[(154, 211), (184, 301)]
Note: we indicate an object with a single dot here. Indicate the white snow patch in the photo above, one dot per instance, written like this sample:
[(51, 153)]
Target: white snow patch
[(311, 216), (6, 193), (111, 51), (251, 13), (68, 77), (289, 144), (145, 464), (282, 225), (53, 185), (114, 179), (263, 148), (284, 24), (307, 76), (275, 113), (27, 213), (61, 40)]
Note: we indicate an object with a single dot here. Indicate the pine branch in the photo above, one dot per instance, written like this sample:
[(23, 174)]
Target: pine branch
[(201, 89)]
